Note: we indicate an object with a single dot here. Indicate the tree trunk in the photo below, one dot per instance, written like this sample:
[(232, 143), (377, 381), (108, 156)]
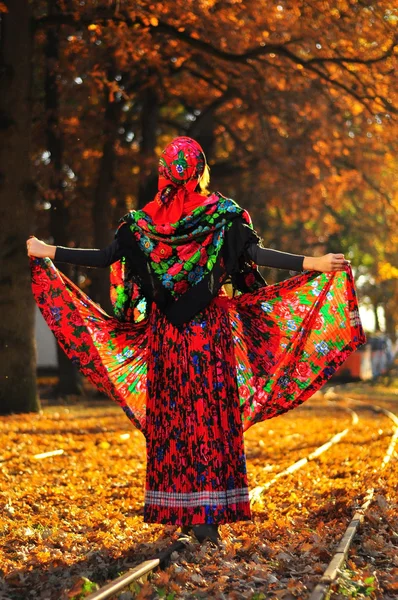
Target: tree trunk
[(391, 323), (18, 391), (102, 208), (70, 380), (377, 322), (149, 123), (203, 131), (390, 313)]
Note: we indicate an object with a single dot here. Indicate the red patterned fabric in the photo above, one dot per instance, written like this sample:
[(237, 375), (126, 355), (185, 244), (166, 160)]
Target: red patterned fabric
[(181, 165), (192, 392), (196, 460)]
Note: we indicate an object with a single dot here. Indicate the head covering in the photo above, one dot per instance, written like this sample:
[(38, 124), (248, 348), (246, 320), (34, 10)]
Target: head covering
[(181, 165)]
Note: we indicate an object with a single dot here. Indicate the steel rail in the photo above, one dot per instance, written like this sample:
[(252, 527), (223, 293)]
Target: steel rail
[(135, 573), (333, 569), (257, 492)]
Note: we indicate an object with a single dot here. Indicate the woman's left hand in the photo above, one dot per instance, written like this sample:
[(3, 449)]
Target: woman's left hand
[(325, 263), (39, 249)]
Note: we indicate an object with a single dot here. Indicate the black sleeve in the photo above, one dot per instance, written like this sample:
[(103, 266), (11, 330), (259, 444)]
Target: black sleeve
[(89, 257), (267, 257), (96, 258)]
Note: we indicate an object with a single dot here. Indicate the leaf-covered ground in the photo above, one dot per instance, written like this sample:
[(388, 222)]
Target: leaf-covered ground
[(73, 520)]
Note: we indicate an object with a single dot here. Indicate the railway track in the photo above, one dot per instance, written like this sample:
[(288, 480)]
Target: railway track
[(117, 585), (333, 569), (257, 492), (330, 575)]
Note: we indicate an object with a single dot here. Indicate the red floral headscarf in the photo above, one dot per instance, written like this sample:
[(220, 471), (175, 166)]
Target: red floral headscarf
[(181, 166)]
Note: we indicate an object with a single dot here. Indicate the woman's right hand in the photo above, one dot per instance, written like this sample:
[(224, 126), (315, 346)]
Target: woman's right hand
[(326, 263), (39, 249)]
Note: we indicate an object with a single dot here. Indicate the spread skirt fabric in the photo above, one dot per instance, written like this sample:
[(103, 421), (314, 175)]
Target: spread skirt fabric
[(193, 391)]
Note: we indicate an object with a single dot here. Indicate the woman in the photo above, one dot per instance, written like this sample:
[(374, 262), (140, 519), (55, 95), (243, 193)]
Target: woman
[(191, 367)]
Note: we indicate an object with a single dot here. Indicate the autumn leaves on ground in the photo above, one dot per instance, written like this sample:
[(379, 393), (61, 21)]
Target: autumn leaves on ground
[(294, 103), (74, 519)]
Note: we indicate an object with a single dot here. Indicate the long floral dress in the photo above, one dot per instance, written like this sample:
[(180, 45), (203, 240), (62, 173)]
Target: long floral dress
[(194, 390)]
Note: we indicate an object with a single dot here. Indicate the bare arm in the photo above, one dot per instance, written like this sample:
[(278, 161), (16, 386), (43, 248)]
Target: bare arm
[(325, 263), (39, 249)]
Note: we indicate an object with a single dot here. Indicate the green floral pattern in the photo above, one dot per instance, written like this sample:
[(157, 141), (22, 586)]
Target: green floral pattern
[(180, 254)]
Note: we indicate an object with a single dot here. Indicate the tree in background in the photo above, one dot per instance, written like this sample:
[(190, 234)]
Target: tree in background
[(69, 378), (296, 98), (17, 363), (293, 103)]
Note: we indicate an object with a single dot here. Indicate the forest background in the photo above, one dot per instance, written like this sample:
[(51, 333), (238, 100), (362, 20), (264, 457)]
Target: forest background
[(294, 103)]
